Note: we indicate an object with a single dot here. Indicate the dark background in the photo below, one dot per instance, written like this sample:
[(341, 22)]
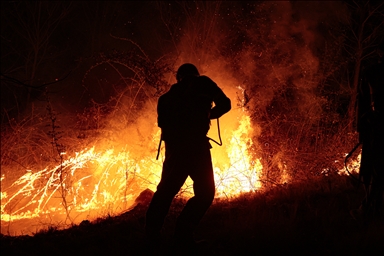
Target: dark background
[(298, 64), (44, 41)]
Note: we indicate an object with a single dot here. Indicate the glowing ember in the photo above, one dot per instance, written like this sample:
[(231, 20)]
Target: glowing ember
[(94, 182), (353, 166), (241, 175), (97, 182)]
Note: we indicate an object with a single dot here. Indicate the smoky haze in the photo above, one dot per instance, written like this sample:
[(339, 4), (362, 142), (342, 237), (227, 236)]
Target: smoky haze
[(102, 65), (237, 33), (273, 59)]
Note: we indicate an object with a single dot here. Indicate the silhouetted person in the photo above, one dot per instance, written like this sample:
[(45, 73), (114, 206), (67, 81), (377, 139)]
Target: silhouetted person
[(184, 114), (371, 135)]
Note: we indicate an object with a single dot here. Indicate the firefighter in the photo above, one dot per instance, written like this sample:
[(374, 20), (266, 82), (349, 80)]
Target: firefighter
[(184, 114)]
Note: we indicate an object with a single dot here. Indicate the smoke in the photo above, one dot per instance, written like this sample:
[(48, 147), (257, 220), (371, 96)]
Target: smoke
[(269, 58), (266, 56)]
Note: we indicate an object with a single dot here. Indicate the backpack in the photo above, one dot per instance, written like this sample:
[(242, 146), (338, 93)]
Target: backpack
[(183, 112)]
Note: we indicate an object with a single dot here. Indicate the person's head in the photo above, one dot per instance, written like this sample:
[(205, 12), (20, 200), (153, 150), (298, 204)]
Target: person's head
[(186, 70)]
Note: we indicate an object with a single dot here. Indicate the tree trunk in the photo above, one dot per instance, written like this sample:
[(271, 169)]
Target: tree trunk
[(352, 114)]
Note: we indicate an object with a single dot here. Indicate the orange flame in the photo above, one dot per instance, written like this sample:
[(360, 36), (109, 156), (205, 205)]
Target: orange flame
[(241, 172), (93, 182)]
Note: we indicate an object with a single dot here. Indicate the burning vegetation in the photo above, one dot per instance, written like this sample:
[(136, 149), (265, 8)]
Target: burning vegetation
[(284, 70), (107, 177), (116, 162)]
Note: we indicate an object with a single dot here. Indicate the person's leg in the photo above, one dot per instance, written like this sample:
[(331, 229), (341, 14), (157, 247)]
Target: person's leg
[(172, 178), (204, 191)]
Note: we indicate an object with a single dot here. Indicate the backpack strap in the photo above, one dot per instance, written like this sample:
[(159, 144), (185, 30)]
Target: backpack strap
[(218, 143), (218, 131), (159, 148)]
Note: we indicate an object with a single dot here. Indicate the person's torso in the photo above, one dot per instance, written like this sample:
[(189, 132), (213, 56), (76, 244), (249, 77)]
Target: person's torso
[(184, 110)]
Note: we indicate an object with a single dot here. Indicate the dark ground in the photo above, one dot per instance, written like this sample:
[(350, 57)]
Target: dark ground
[(295, 220)]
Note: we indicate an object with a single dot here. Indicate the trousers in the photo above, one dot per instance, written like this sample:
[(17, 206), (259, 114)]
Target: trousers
[(183, 159)]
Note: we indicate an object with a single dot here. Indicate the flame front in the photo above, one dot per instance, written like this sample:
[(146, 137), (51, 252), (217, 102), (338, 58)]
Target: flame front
[(98, 182), (240, 173), (94, 183)]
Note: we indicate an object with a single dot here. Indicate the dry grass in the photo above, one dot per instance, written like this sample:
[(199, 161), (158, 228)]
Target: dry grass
[(308, 215), (301, 219)]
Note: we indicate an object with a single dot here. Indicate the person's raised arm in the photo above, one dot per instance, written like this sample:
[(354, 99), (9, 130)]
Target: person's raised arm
[(222, 105)]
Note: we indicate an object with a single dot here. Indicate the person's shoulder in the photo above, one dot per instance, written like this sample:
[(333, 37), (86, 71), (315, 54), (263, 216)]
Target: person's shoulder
[(168, 92), (207, 83), (206, 79), (172, 89)]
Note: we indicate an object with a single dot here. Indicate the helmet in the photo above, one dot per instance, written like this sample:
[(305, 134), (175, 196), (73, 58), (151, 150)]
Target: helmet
[(186, 69)]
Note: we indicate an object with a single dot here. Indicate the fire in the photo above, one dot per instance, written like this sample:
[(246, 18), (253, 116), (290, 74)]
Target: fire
[(95, 181), (351, 166), (241, 173)]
